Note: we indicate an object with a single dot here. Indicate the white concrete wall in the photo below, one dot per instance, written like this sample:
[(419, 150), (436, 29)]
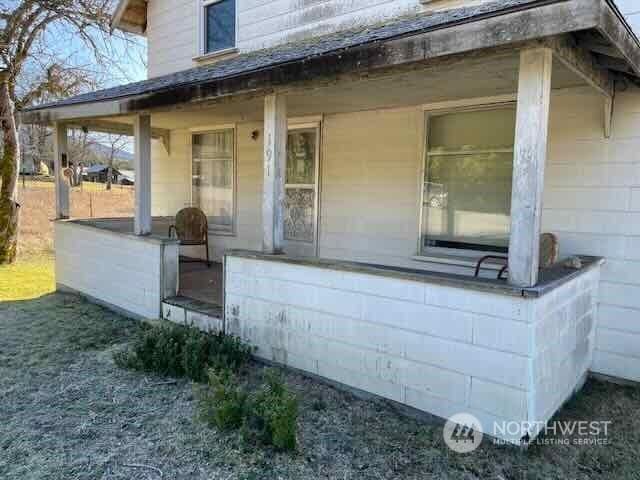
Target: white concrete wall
[(440, 349), (119, 270)]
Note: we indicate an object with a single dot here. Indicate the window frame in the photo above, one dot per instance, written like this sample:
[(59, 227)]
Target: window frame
[(464, 250), (213, 231), (316, 126), (202, 30)]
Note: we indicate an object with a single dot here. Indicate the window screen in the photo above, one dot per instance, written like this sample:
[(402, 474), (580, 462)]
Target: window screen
[(468, 175)]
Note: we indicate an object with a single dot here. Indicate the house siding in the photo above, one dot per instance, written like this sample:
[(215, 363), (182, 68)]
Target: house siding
[(370, 185), (172, 25), (422, 345), (591, 203)]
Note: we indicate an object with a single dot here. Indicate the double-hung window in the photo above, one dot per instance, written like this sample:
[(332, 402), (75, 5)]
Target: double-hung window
[(468, 176), (218, 23), (213, 178)]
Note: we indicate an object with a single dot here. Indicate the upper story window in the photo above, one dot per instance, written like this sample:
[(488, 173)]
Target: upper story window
[(218, 25), (467, 184)]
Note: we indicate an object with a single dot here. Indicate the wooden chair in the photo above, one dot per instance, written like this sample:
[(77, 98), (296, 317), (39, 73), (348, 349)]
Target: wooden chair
[(549, 252), (191, 228)]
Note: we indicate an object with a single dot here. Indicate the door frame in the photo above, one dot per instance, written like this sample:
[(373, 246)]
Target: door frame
[(316, 125)]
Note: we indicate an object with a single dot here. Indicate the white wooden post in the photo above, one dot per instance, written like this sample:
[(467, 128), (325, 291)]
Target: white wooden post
[(61, 162), (142, 161), (275, 160), (532, 121)]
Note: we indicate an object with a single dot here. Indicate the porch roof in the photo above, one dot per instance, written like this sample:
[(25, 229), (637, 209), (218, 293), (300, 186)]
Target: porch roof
[(596, 24)]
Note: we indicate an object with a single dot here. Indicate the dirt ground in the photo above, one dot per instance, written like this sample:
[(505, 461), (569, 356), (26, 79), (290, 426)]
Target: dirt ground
[(37, 200), (67, 412)]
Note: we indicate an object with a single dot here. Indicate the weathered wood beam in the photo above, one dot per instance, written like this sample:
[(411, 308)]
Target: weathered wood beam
[(527, 23), (142, 166), (608, 116), (582, 62), (615, 64), (275, 160), (60, 163), (530, 153), (105, 126), (617, 32)]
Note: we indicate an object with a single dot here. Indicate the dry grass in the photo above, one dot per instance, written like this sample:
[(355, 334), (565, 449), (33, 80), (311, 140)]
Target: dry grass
[(69, 413), (37, 201)]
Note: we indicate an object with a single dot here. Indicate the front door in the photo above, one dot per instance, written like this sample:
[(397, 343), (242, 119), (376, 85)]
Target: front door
[(301, 191)]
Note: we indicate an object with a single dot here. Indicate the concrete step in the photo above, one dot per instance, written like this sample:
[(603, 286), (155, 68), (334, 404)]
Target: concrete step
[(188, 311)]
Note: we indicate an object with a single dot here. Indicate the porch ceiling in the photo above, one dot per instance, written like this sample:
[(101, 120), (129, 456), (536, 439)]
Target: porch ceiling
[(404, 47), (481, 77)]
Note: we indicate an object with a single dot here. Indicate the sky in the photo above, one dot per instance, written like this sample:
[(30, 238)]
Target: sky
[(122, 59)]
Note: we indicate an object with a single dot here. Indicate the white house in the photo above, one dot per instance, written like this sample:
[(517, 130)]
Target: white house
[(355, 160)]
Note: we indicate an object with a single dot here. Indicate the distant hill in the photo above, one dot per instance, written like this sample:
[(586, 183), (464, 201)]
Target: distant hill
[(103, 151)]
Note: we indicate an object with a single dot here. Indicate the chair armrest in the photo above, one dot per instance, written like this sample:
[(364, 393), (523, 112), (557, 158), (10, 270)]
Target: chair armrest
[(484, 259)]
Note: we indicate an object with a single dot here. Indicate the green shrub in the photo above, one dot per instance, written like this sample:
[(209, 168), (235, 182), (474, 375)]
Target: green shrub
[(276, 412), (222, 403), (177, 351), (269, 415)]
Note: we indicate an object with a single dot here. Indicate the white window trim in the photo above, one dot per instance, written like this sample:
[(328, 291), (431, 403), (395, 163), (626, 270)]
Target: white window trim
[(202, 54), (234, 180), (446, 254)]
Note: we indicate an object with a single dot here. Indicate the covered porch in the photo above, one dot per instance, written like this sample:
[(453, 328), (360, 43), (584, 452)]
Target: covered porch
[(360, 266)]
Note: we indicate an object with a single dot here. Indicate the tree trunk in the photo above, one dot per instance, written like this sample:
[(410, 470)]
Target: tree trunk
[(9, 207), (110, 173)]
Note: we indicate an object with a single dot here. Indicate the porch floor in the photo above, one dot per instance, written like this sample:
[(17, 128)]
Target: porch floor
[(200, 282)]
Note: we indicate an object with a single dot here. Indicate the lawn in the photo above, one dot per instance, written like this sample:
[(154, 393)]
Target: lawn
[(68, 412)]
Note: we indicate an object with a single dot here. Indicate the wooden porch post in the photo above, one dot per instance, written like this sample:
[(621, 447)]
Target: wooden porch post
[(60, 162), (142, 162), (532, 120), (275, 160)]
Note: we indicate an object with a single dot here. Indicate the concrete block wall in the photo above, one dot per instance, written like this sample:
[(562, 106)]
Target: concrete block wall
[(439, 349), (119, 270), (563, 342)]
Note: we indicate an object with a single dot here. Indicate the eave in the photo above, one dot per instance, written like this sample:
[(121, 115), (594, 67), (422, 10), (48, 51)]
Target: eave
[(130, 16), (525, 22)]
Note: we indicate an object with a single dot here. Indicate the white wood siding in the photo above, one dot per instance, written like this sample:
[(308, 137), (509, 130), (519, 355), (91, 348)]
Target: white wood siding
[(172, 25), (592, 193)]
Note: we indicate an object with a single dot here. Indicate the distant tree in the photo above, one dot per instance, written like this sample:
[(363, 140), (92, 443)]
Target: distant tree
[(33, 70)]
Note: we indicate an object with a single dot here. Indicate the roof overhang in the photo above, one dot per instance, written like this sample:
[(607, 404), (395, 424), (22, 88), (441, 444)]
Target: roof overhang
[(130, 16), (574, 29)]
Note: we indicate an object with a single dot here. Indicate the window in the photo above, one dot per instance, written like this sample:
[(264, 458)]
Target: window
[(219, 25), (468, 175), (300, 186), (213, 174)]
